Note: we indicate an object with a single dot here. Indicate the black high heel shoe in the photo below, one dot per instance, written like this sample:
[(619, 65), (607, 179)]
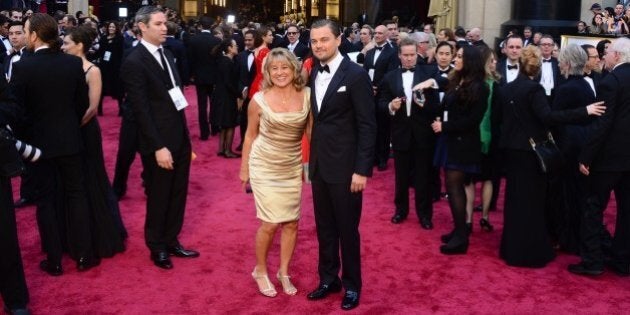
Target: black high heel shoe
[(454, 249), (485, 225)]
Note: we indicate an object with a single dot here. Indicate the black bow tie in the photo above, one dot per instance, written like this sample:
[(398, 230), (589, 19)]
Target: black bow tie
[(324, 68), (444, 71), (250, 52), (408, 70), (514, 67), (546, 60), (590, 75), (16, 53), (379, 48)]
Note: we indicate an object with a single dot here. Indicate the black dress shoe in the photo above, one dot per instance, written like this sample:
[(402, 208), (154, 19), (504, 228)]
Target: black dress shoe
[(350, 300), (426, 224), (22, 202), (585, 269), (397, 218), (161, 259), (323, 291), (50, 268), (85, 264), (179, 251), (445, 238), (17, 311)]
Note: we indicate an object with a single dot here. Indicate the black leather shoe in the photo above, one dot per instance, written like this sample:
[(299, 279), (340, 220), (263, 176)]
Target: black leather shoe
[(350, 300), (585, 270), (161, 259), (323, 291), (445, 238), (397, 218), (179, 251), (22, 202), (50, 268), (85, 264), (17, 311), (426, 224), (620, 270)]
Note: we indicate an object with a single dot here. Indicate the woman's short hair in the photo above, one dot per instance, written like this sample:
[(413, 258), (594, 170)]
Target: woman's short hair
[(530, 61), (574, 56), (285, 56)]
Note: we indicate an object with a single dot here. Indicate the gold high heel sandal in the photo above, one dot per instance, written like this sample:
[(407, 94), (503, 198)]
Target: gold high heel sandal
[(270, 291), (287, 286)]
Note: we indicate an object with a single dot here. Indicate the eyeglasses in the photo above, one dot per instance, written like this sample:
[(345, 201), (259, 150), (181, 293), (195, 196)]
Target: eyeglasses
[(594, 57), (292, 33), (546, 44)]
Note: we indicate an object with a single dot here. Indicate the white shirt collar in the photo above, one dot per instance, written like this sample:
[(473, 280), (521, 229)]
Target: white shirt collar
[(41, 47), (150, 47), (333, 64)]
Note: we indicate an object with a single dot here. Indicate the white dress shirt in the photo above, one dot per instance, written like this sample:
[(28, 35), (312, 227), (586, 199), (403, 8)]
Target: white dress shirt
[(323, 79), (407, 81), (546, 77)]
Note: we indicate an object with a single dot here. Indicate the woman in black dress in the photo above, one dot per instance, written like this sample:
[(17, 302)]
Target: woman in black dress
[(524, 113), (225, 95), (110, 54), (458, 149), (108, 231)]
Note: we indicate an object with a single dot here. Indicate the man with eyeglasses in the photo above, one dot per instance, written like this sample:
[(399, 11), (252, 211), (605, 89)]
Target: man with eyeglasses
[(294, 45), (549, 72)]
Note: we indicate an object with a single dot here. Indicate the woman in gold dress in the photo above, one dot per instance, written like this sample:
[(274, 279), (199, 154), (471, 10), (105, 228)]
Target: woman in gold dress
[(278, 116)]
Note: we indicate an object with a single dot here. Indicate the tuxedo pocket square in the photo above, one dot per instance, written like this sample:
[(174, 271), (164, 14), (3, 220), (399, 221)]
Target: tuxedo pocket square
[(342, 89)]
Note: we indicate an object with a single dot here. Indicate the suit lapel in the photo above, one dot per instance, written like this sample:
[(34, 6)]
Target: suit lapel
[(335, 82), (152, 64), (314, 72)]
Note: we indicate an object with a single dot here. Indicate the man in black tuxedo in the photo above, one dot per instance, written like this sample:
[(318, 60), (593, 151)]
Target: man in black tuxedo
[(342, 151), (605, 159), (413, 139), (12, 282), (475, 37), (5, 44), (246, 74), (53, 125), (508, 66), (378, 61), (154, 90), (550, 72), (527, 35), (203, 65), (592, 64), (294, 44)]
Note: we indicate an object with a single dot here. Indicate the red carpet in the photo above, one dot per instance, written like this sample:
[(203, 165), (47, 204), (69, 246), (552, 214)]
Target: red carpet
[(403, 270)]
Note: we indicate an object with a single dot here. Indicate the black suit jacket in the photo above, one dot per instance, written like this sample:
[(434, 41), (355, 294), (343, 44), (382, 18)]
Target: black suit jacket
[(414, 130), (51, 89), (178, 50), (245, 74), (608, 145), (344, 130), (159, 123), (202, 61), (574, 93), (300, 51), (387, 61), (524, 112)]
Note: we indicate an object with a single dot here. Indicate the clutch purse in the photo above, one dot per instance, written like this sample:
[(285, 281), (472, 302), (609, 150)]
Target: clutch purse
[(549, 156)]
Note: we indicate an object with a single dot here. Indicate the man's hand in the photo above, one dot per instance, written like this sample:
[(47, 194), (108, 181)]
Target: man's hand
[(164, 158), (358, 183), (584, 169), (395, 104)]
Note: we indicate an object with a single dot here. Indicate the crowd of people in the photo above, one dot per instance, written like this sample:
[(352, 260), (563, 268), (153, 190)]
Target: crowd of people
[(442, 104)]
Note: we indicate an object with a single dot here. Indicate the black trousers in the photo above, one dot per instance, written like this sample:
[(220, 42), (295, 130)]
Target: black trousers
[(204, 92), (27, 185), (127, 148), (337, 216), (60, 181), (166, 199), (420, 159), (602, 183), (242, 120), (383, 135), (12, 282)]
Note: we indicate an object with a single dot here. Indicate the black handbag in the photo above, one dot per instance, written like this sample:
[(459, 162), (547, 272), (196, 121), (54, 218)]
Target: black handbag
[(549, 156)]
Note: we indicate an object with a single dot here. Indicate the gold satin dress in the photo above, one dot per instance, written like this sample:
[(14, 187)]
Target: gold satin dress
[(275, 162)]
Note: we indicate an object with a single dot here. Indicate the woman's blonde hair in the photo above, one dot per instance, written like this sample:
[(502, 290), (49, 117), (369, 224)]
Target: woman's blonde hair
[(285, 56), (530, 61)]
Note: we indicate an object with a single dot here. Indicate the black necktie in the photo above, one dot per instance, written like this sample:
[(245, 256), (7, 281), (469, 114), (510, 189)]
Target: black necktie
[(164, 66), (514, 67), (323, 68), (408, 70), (379, 48), (546, 60)]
